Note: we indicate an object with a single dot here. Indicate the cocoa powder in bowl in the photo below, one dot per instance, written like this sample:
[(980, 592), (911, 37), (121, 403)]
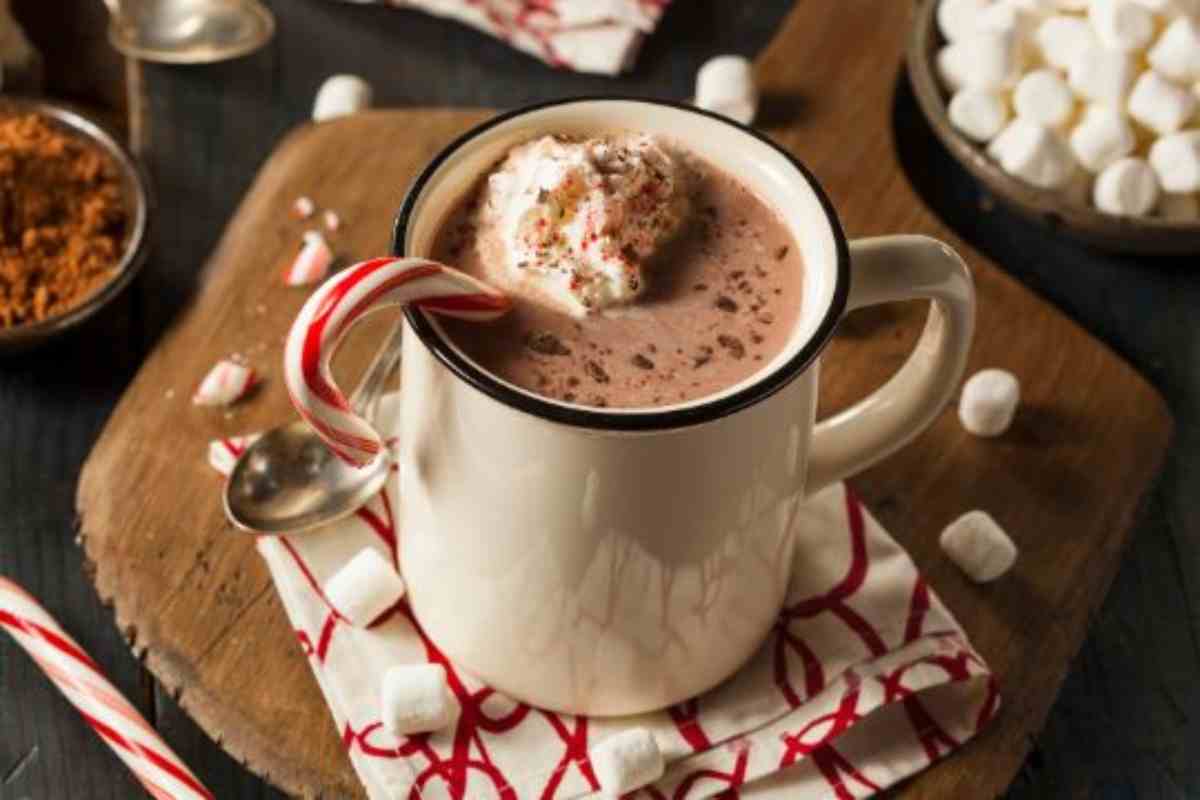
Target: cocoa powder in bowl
[(62, 219)]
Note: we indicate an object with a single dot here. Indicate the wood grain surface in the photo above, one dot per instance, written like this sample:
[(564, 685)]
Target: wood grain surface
[(194, 598)]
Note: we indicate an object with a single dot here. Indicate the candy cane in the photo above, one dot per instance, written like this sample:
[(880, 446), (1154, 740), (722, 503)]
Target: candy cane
[(112, 717), (338, 304)]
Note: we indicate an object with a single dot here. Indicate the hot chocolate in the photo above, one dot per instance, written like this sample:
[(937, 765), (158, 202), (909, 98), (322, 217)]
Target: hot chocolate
[(642, 276)]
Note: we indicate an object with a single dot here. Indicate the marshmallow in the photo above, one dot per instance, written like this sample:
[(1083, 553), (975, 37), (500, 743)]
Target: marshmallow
[(364, 588), (1178, 207), (1044, 97), (1177, 52), (1172, 8), (626, 761), (725, 84), (989, 401), (1041, 8), (1102, 137), (332, 220), (979, 546), (1007, 18), (225, 384), (958, 19), (1101, 75), (1061, 39), (1176, 159), (340, 95), (415, 698), (1033, 153), (1127, 187), (1122, 24), (1160, 105), (978, 113), (984, 60)]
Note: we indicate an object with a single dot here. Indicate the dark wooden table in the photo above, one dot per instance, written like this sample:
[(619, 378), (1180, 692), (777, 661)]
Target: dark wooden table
[(1128, 721)]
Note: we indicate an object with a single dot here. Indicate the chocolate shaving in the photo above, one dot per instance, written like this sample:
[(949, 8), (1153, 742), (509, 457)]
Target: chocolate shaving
[(705, 356), (726, 303), (733, 345), (595, 371), (546, 343), (700, 287), (781, 253), (641, 362), (766, 318)]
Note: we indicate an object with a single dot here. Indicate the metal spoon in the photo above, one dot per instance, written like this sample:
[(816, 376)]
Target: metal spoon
[(288, 480), (188, 31)]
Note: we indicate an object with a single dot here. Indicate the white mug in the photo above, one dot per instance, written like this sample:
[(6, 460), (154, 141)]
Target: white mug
[(612, 561)]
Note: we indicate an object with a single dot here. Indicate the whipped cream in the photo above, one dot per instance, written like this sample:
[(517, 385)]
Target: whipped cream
[(578, 219)]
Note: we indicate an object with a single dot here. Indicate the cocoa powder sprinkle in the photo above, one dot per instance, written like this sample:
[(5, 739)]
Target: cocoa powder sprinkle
[(546, 343), (726, 303), (595, 371)]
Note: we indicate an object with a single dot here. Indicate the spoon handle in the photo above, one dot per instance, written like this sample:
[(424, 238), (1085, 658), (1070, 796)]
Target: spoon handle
[(365, 400)]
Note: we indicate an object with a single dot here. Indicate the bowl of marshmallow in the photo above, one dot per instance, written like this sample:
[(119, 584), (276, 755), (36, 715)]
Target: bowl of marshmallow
[(1083, 114)]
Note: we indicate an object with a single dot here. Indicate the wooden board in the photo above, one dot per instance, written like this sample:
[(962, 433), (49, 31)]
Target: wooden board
[(195, 600)]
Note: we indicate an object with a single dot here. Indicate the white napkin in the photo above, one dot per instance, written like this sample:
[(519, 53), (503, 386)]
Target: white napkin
[(601, 36), (865, 680)]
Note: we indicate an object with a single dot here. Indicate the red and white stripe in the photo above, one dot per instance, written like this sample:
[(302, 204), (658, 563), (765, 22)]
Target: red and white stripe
[(224, 453), (337, 305), (311, 264), (113, 718), (225, 384)]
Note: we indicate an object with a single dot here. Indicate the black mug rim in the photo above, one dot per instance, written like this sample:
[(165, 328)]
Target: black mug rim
[(639, 420)]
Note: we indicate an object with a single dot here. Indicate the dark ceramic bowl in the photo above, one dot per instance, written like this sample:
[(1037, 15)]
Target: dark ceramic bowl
[(1144, 235)]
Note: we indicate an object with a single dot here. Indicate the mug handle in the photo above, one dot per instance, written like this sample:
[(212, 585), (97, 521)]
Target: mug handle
[(889, 269)]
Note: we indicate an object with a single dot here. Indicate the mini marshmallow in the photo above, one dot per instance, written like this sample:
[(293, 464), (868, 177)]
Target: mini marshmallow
[(332, 220), (626, 761), (1102, 137), (1122, 24), (1044, 97), (725, 85), (1041, 8), (311, 264), (1007, 18), (340, 95), (958, 19), (415, 698), (984, 60), (989, 401), (304, 207), (978, 113), (1176, 159), (1178, 207), (364, 588), (979, 546), (1033, 153), (225, 384), (1101, 75), (1160, 105), (1177, 52), (1128, 187), (1061, 39)]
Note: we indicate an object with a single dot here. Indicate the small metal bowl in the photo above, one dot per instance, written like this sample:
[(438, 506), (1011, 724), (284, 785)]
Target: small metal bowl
[(136, 194), (1142, 235)]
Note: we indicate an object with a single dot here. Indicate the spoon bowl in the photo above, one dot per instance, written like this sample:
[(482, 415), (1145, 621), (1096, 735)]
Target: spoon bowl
[(188, 31), (289, 481)]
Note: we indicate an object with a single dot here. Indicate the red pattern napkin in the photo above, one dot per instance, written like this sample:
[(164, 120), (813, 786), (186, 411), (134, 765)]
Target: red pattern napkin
[(601, 36), (865, 680)]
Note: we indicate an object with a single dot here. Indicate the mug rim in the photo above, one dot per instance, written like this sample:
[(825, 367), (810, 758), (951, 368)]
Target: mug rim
[(651, 419)]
